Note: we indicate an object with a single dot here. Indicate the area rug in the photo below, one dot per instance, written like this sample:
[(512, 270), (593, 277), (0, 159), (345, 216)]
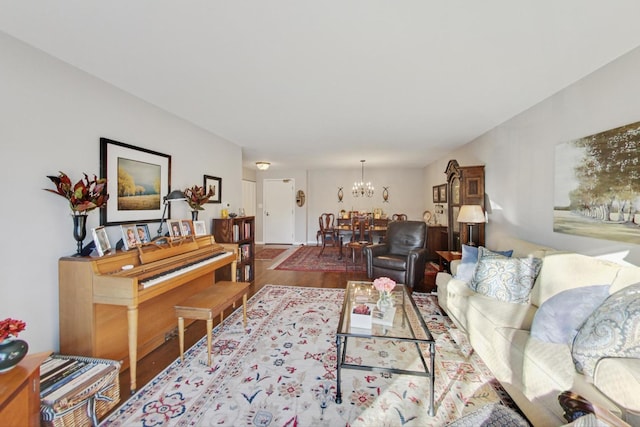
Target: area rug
[(280, 371), (307, 258), (268, 253)]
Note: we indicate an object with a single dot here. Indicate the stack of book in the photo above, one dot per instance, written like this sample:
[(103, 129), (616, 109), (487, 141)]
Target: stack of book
[(70, 381)]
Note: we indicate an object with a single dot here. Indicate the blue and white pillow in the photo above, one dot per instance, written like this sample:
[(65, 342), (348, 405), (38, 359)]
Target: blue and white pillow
[(612, 330), (505, 279), (559, 318), (469, 260)]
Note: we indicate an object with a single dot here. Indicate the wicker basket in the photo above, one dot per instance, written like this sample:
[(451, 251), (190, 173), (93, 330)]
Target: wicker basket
[(90, 401)]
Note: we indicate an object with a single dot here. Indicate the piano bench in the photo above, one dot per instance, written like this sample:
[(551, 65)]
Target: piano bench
[(209, 303)]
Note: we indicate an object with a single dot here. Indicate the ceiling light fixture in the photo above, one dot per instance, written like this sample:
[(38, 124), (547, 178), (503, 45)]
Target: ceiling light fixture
[(263, 166), (360, 189)]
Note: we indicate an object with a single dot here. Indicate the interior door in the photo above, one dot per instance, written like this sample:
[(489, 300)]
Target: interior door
[(278, 210)]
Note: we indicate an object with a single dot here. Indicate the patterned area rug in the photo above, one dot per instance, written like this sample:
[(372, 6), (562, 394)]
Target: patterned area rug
[(280, 371), (268, 253), (306, 258)]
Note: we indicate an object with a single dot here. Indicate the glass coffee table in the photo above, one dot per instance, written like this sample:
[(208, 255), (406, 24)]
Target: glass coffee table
[(405, 324)]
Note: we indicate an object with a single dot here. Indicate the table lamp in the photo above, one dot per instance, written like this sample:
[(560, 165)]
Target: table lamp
[(174, 196), (471, 215)]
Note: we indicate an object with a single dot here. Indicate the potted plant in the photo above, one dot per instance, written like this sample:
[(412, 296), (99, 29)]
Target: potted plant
[(83, 197), (196, 197)]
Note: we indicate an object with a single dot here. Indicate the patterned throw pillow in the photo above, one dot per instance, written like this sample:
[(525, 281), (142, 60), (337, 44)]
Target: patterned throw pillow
[(612, 330), (559, 318), (506, 279), (469, 260)]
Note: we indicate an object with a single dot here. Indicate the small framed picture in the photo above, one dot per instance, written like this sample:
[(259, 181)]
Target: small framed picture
[(443, 193), (186, 227), (174, 229), (142, 230), (101, 240), (215, 184), (199, 227), (129, 236), (436, 194)]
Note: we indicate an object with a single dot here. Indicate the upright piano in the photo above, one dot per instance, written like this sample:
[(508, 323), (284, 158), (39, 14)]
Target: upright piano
[(120, 306)]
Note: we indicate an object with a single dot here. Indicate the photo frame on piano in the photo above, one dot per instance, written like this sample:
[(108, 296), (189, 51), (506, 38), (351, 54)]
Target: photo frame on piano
[(175, 229), (129, 237), (199, 228), (101, 240), (143, 233), (187, 227)]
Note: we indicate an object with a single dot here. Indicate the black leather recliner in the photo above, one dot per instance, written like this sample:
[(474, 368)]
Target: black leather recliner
[(402, 256)]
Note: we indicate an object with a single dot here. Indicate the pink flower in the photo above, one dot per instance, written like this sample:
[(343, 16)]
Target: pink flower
[(384, 284)]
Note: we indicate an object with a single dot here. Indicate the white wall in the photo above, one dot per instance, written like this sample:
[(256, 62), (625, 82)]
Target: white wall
[(519, 156), (53, 116)]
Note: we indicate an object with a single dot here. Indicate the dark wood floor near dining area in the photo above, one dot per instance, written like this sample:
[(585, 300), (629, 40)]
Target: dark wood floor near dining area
[(164, 355)]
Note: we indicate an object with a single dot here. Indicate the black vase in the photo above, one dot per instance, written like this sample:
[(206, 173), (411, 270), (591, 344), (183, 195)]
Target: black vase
[(194, 215), (11, 353), (79, 231)]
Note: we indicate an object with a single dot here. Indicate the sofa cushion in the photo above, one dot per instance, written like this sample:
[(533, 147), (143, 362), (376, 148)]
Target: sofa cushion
[(506, 279), (469, 260), (612, 330), (558, 318)]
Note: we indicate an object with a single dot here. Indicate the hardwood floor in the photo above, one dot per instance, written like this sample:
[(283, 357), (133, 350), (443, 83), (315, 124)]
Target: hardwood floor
[(160, 358)]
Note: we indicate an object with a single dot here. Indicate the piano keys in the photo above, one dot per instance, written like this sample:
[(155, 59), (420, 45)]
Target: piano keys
[(124, 314)]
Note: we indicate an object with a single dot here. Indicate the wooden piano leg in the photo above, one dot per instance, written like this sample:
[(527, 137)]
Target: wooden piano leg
[(234, 266), (132, 320), (209, 332)]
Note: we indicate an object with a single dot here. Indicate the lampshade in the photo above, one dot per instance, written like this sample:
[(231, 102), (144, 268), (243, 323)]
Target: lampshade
[(471, 214), (174, 196), (263, 166)]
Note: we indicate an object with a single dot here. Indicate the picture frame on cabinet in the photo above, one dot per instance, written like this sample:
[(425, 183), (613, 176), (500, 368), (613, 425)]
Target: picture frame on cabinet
[(186, 227), (142, 230), (175, 231)]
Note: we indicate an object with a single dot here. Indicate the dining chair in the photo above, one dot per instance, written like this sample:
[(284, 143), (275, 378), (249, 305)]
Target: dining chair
[(399, 217), (360, 237), (327, 230)]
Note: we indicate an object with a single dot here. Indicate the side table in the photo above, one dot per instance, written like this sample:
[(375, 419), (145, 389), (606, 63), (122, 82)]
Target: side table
[(446, 257)]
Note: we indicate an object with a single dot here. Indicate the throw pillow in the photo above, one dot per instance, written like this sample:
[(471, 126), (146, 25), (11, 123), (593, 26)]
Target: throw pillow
[(559, 318), (505, 279), (469, 260), (612, 330)]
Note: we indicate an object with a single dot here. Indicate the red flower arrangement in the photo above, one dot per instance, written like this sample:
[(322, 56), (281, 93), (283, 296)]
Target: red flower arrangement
[(11, 327), (196, 197), (83, 196)]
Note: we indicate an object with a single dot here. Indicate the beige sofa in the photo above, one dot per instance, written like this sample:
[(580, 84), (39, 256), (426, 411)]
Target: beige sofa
[(535, 372)]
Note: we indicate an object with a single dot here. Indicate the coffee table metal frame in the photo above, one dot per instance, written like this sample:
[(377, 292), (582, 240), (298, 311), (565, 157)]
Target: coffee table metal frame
[(408, 326)]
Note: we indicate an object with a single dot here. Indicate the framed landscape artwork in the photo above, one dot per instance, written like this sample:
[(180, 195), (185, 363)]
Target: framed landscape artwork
[(216, 184), (137, 179), (597, 185)]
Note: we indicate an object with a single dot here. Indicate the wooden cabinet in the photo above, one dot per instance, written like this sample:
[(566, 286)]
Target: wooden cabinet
[(240, 231), (437, 240), (20, 392), (465, 185)]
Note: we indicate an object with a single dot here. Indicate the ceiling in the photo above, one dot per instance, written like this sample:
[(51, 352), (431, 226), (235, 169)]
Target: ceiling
[(324, 83)]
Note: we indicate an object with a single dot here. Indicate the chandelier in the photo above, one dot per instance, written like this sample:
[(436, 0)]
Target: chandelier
[(360, 189)]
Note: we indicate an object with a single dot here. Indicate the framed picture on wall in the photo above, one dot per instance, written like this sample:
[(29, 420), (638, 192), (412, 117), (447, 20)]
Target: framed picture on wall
[(443, 193), (137, 180), (436, 194), (215, 184)]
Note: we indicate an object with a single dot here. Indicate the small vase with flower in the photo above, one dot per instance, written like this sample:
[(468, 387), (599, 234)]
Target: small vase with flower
[(12, 350), (384, 286), (196, 197)]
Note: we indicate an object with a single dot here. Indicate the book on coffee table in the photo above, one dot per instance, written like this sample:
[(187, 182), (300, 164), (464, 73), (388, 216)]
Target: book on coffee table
[(383, 318)]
